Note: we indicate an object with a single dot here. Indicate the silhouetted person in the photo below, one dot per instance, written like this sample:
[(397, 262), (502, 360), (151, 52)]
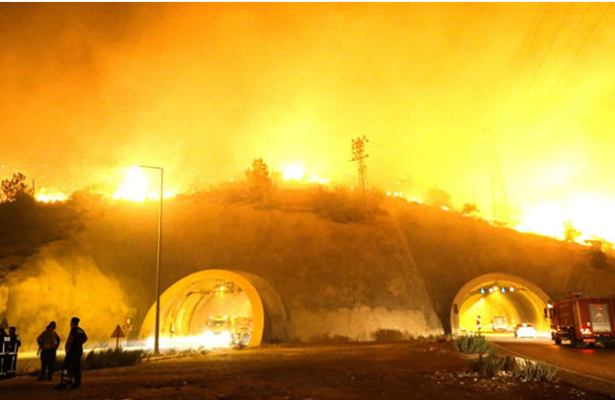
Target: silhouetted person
[(4, 338), (11, 348), (48, 343), (71, 369)]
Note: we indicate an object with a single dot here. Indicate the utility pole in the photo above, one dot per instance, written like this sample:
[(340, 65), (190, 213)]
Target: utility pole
[(359, 155), (158, 256)]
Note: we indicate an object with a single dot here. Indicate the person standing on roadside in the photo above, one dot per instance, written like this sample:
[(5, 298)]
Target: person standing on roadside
[(48, 343), (14, 343), (71, 369), (3, 350)]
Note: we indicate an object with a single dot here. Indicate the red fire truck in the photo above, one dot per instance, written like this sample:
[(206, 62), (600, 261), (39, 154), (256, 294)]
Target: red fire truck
[(583, 321)]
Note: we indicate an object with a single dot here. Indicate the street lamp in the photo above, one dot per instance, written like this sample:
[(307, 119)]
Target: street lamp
[(157, 333)]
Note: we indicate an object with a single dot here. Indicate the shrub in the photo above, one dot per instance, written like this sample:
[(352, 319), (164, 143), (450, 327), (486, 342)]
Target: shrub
[(472, 345), (112, 358), (534, 370), (440, 338), (521, 369), (327, 339), (491, 365), (388, 335)]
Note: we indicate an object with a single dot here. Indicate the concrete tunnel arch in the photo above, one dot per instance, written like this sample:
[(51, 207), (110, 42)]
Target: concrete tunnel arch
[(181, 303), (528, 298)]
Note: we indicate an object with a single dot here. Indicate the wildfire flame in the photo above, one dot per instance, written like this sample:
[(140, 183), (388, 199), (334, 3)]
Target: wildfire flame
[(46, 196), (589, 214), (136, 186), (293, 172), (297, 172)]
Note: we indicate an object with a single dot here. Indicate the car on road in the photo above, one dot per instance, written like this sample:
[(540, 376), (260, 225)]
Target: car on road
[(525, 330)]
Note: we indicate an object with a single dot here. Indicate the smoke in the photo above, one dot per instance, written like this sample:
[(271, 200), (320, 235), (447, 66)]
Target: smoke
[(53, 286), (204, 88)]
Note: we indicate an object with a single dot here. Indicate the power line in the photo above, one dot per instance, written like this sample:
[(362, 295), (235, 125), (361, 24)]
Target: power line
[(572, 34), (544, 57), (574, 57), (530, 45), (542, 18), (524, 45)]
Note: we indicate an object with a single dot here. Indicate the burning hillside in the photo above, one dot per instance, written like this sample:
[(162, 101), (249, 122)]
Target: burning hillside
[(329, 256), (507, 120)]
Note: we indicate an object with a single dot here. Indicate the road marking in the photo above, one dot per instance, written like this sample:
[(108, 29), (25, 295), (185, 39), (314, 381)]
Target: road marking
[(610, 382)]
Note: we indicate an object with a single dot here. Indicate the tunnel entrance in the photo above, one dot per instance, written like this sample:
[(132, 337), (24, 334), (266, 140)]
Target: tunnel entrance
[(217, 308), (502, 301)]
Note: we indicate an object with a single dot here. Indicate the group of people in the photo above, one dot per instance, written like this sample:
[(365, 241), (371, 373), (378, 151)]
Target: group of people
[(48, 344)]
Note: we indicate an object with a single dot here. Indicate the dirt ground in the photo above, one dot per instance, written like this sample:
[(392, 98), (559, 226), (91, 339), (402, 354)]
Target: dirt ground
[(408, 370)]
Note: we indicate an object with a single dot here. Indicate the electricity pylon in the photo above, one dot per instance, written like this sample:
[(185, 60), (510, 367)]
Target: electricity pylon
[(359, 155)]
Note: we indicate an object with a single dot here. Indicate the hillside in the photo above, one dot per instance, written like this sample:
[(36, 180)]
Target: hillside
[(338, 271)]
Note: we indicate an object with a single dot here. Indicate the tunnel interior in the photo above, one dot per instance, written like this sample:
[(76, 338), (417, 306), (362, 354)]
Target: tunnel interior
[(211, 309), (500, 302)]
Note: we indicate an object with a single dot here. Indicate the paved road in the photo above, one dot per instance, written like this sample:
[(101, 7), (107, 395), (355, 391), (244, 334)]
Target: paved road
[(598, 362)]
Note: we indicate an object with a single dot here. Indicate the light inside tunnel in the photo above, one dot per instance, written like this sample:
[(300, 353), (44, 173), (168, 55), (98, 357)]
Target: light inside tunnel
[(205, 313), (499, 306)]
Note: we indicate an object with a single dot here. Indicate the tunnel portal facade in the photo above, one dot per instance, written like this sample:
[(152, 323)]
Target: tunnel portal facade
[(218, 308), (498, 302)]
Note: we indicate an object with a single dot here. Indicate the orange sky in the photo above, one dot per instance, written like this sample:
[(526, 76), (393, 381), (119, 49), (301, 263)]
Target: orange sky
[(203, 88)]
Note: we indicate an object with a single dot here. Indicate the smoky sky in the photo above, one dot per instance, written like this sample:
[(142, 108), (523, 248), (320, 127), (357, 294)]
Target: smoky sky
[(204, 88)]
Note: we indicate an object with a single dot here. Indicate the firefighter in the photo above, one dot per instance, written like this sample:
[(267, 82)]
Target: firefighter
[(3, 337), (48, 343), (11, 348), (71, 368)]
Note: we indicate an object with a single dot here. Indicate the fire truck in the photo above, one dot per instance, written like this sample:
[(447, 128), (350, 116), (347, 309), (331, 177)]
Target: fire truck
[(583, 322), (242, 330), (224, 330)]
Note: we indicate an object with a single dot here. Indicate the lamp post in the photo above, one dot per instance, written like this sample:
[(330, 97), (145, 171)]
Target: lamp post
[(157, 333)]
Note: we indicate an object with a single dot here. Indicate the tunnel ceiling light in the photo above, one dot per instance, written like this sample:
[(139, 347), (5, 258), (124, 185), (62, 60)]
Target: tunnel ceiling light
[(490, 290), (511, 289)]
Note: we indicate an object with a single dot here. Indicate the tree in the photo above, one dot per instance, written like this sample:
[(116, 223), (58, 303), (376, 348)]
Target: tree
[(438, 198), (14, 188), (469, 209), (570, 233), (258, 179)]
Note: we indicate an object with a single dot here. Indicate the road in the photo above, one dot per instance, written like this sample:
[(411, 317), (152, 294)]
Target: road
[(353, 371), (598, 362)]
